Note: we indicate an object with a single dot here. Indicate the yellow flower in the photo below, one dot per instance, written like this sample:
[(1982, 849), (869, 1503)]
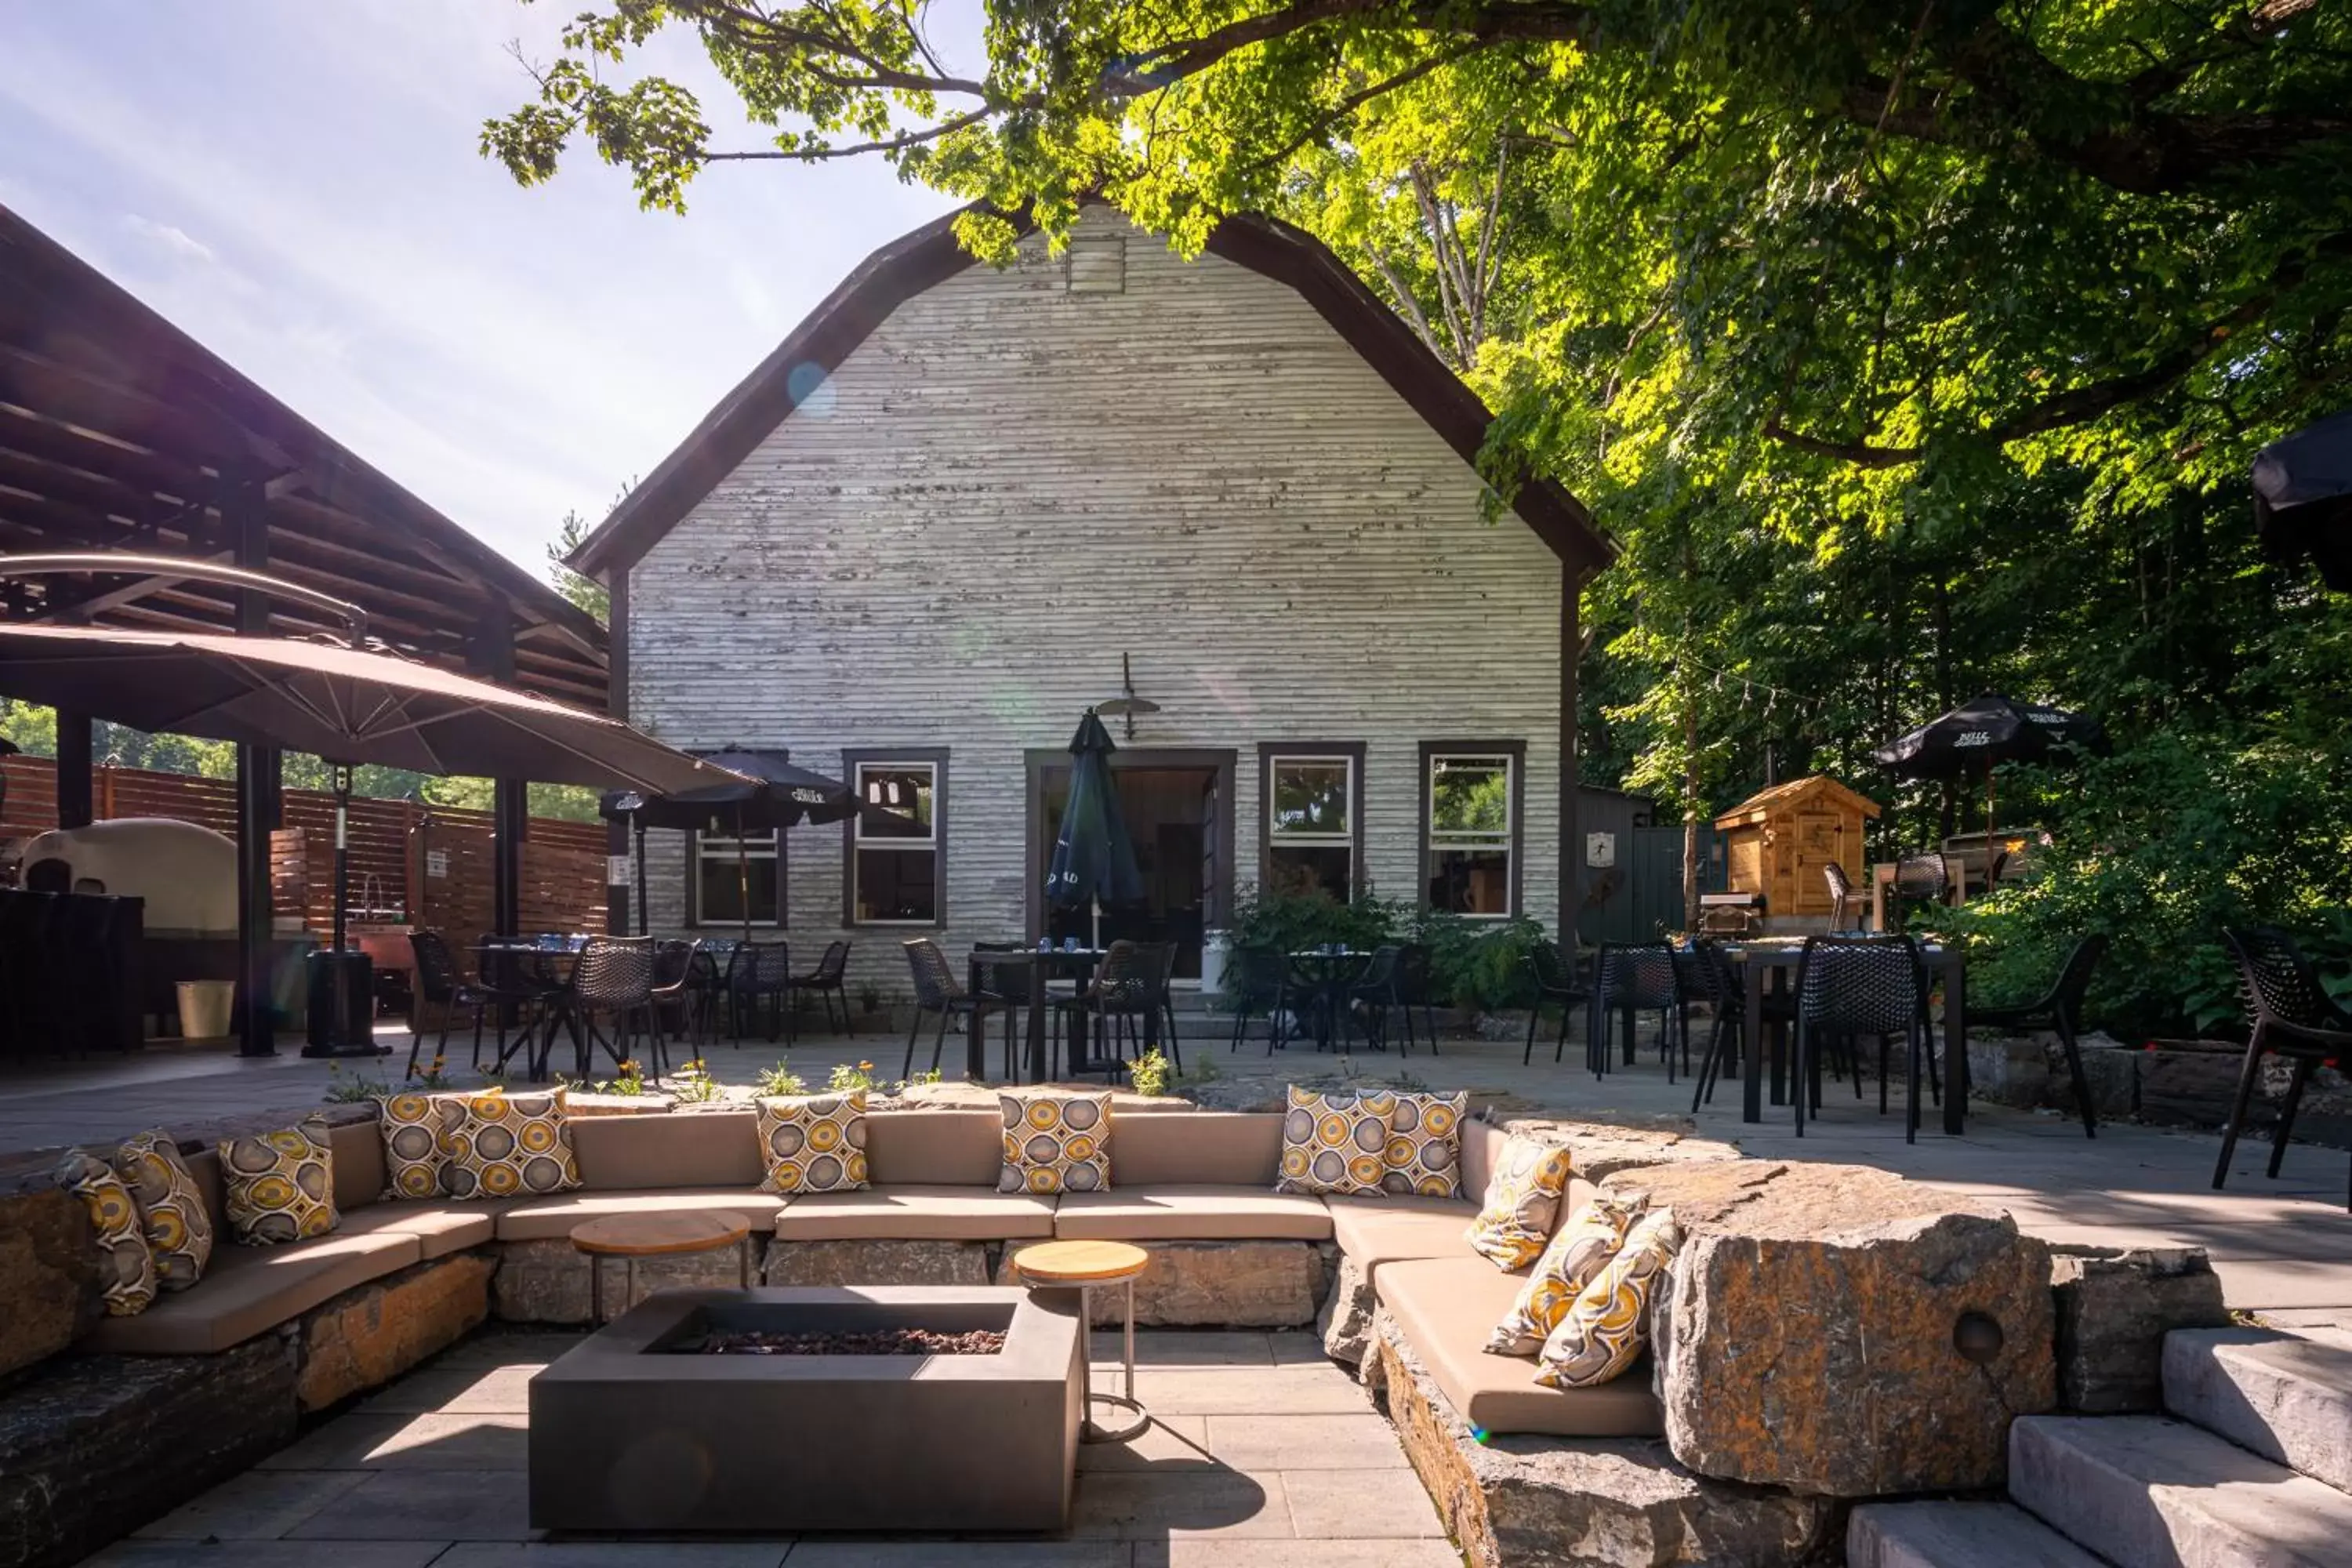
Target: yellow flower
[(865, 1066)]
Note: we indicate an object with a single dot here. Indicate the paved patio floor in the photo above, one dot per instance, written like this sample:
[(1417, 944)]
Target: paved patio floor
[(2278, 1245), (1262, 1455)]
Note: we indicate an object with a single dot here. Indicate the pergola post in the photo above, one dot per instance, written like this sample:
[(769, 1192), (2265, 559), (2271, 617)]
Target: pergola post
[(75, 809), (261, 801), (491, 653), (620, 911)]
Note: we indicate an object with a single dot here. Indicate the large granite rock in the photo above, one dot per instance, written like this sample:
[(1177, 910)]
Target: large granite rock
[(1346, 1320), (2115, 1305), (1835, 1329), (546, 1282), (1601, 1149), (1559, 1502), (877, 1263), (365, 1338), (1217, 1284), (92, 1447), (49, 1267)]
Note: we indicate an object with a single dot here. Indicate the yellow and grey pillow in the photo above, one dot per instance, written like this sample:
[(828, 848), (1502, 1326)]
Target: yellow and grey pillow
[(1573, 1259), (510, 1145), (417, 1129), (813, 1142), (280, 1186), (1055, 1143), (1335, 1143), (1605, 1329), (126, 1265), (1522, 1201), (172, 1212), (1424, 1157)]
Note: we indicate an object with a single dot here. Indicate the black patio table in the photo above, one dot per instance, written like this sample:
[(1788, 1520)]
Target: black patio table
[(553, 961), (1042, 964), (1776, 958), (1328, 972)]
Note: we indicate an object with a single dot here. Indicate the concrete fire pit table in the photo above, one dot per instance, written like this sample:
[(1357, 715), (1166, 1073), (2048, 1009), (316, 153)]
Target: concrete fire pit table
[(632, 1430)]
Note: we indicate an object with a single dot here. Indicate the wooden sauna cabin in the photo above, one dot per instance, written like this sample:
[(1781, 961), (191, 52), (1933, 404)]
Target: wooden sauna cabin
[(1777, 841)]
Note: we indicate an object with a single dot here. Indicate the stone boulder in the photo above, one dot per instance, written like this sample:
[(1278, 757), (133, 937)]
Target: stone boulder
[(1838, 1331), (2115, 1305), (546, 1282), (94, 1446), (1560, 1502), (49, 1266), (1346, 1320), (365, 1338), (1600, 1149), (1221, 1284), (880, 1262)]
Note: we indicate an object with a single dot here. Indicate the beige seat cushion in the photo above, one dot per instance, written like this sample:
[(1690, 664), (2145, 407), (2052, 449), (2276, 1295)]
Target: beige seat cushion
[(1216, 1148), (1190, 1212), (361, 1173), (557, 1213), (1375, 1231), (249, 1291), (925, 1212), (1482, 1142), (440, 1227), (676, 1149), (1446, 1308), (935, 1148)]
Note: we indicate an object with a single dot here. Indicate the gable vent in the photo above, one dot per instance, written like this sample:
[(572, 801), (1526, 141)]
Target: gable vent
[(1097, 264)]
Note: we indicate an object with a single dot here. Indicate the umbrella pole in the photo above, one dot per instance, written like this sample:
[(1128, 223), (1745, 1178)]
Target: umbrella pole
[(1095, 940), (645, 925), (743, 876)]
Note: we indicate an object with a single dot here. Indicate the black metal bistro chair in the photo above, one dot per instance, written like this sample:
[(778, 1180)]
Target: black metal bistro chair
[(1416, 986), (1373, 993), (1556, 983), (613, 980), (1122, 996), (2295, 1016), (1921, 881), (440, 984), (1164, 1001), (1006, 986), (828, 980), (1633, 978), (1257, 984), (675, 1010), (2060, 1010), (1851, 987), (936, 990), (1841, 896), (760, 970)]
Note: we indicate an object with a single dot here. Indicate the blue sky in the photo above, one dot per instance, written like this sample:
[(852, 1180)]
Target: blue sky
[(296, 184)]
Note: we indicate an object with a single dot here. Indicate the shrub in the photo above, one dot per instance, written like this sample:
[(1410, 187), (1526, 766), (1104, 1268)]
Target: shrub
[(1475, 963)]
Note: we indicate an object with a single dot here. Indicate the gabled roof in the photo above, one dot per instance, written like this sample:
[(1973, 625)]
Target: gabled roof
[(929, 256), (1796, 792)]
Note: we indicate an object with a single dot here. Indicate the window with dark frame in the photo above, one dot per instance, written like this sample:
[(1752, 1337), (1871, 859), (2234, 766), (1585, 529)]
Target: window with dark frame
[(1470, 830), (894, 857), (1310, 824), (720, 879)]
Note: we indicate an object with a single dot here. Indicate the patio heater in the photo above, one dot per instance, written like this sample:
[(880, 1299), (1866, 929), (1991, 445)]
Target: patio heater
[(342, 984)]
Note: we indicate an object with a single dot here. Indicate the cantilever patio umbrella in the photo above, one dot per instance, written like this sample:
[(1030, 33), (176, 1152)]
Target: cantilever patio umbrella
[(1094, 859), (1986, 733), (349, 705), (771, 792), (2302, 497)]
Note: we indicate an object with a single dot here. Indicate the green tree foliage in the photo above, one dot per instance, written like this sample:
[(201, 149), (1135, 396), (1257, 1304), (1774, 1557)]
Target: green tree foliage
[(584, 592), (1910, 349)]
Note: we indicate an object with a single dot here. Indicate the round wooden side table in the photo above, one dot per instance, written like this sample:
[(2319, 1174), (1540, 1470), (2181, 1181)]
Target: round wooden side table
[(629, 1236), (1084, 1266)]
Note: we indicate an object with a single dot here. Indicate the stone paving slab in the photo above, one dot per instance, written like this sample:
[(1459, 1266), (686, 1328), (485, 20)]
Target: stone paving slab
[(599, 1554), (458, 1391), (1279, 1391), (1360, 1442), (364, 1440), (403, 1505), (955, 1554), (1425, 1553), (261, 1505), (1169, 1445), (1154, 1507), (266, 1554)]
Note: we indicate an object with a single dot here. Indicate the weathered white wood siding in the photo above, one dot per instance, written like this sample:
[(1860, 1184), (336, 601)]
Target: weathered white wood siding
[(1009, 484)]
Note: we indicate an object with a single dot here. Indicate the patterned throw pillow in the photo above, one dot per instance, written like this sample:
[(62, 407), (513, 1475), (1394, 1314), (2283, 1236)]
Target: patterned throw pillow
[(126, 1267), (814, 1142), (1424, 1150), (1055, 1143), (1575, 1257), (1335, 1143), (506, 1145), (171, 1208), (281, 1185), (416, 1129), (1522, 1201), (1605, 1330)]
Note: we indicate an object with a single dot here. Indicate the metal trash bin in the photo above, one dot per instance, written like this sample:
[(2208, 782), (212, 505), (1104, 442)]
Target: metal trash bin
[(206, 1008)]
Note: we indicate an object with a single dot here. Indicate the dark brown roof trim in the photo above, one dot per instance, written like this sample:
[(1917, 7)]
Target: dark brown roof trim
[(930, 255)]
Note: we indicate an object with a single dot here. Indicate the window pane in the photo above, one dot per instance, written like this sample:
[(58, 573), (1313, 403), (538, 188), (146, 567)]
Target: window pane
[(1470, 881), (722, 883), (895, 800), (1299, 869), (1310, 798), (897, 885), (1469, 796)]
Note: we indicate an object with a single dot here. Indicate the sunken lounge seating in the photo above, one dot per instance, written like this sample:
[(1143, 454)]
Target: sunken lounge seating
[(1183, 1184)]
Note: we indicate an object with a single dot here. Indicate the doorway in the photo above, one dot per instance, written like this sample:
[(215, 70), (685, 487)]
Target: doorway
[(1178, 808)]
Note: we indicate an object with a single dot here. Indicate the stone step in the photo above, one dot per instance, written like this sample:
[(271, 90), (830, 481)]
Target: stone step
[(2286, 1398), (1957, 1535), (2147, 1492)]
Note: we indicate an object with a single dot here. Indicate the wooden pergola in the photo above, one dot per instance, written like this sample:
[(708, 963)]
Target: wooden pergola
[(119, 432)]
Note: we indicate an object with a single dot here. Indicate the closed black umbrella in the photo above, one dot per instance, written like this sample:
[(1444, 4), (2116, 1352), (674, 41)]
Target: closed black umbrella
[(1986, 733), (772, 793), (1094, 859), (2302, 497)]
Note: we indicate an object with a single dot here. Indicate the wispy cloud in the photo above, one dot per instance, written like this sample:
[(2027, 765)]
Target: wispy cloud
[(170, 238)]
